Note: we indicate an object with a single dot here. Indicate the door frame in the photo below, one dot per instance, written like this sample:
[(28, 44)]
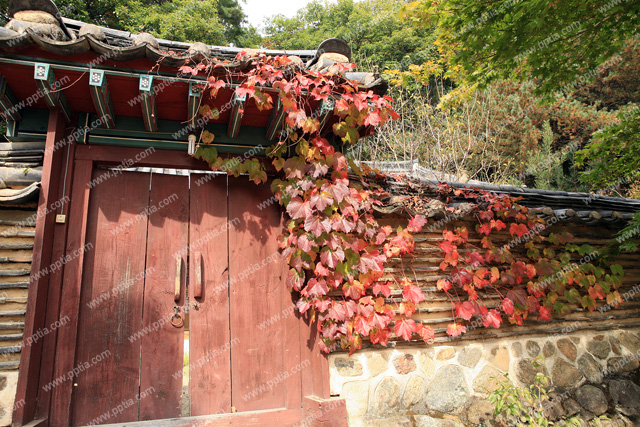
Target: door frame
[(57, 294)]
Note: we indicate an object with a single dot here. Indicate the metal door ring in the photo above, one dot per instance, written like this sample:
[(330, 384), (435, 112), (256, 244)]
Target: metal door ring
[(176, 324)]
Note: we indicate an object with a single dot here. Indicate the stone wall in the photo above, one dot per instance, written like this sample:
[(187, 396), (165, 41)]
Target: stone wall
[(8, 383), (594, 374)]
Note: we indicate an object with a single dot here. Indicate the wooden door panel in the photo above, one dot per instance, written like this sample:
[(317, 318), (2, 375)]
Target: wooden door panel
[(210, 374), (162, 346), (111, 299), (263, 358)]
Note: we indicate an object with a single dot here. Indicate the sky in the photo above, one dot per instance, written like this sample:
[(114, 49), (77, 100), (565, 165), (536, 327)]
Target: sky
[(257, 10)]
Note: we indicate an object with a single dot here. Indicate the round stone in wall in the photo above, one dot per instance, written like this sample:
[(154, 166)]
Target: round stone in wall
[(623, 364), (377, 364), (533, 349), (356, 396), (592, 399), (564, 374), (446, 354), (404, 363), (3, 382), (624, 395), (413, 392), (527, 372), (448, 392), (599, 347), (387, 395), (487, 380), (590, 368), (500, 357), (567, 348), (517, 349), (469, 357), (615, 345), (549, 349), (630, 341), (348, 367)]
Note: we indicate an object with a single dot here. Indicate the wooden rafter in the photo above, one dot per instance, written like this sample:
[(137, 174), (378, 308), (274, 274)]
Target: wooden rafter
[(52, 93), (195, 93), (237, 111), (276, 120), (101, 99), (9, 106), (148, 102)]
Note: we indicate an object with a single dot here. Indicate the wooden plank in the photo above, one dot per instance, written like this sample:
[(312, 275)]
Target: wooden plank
[(209, 339), (55, 287), (112, 300), (65, 347), (162, 349), (259, 362), (27, 388), (315, 378)]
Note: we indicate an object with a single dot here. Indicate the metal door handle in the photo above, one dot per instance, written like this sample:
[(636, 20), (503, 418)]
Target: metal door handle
[(197, 292), (176, 291)]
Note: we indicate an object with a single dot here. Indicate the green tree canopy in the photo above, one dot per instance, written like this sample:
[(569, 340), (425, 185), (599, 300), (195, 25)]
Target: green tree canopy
[(558, 43), (373, 28), (217, 22)]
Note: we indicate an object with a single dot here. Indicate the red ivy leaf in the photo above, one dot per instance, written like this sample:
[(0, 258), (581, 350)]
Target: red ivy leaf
[(443, 285), (426, 332), (492, 319), (518, 229), (298, 209), (446, 246), (465, 310), (362, 326), (485, 228), (507, 306), (544, 314), (416, 223), (380, 336), (316, 227), (404, 328), (317, 287), (455, 329), (382, 288), (413, 293)]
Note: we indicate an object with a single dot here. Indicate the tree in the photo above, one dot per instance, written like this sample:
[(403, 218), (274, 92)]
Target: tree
[(557, 43), (562, 46), (217, 22), (378, 36)]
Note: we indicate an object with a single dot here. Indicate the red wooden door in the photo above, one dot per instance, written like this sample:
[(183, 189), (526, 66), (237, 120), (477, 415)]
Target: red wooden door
[(146, 231), (244, 338), (137, 223)]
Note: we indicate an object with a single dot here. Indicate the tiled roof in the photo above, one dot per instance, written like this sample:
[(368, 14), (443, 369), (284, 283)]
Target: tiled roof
[(63, 36)]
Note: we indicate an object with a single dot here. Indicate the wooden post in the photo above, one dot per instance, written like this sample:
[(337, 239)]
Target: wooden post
[(27, 391)]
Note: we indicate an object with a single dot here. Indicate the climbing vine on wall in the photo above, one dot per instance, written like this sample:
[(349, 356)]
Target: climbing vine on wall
[(337, 251)]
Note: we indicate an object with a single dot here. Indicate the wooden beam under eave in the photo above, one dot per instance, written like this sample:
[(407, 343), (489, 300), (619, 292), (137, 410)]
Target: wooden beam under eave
[(9, 106), (237, 111), (195, 93), (50, 88), (276, 120), (99, 89), (148, 102), (324, 112)]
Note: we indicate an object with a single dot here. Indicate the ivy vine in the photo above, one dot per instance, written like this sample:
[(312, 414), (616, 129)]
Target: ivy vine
[(336, 249)]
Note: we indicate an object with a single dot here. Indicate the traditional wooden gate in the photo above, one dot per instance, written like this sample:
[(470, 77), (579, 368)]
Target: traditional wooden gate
[(136, 235)]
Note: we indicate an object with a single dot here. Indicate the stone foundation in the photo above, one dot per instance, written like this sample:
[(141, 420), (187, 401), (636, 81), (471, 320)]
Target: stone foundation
[(8, 384), (593, 374)]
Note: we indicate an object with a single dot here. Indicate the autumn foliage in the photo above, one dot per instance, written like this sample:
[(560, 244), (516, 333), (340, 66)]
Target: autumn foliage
[(337, 251)]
